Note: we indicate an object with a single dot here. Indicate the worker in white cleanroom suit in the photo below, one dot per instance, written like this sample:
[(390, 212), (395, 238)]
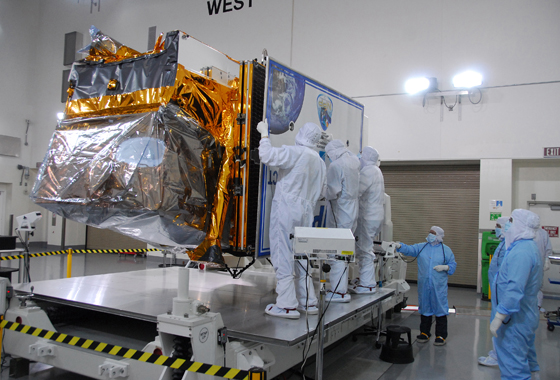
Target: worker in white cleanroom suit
[(343, 184), (545, 249), (300, 184), (516, 287), (370, 218), (492, 360)]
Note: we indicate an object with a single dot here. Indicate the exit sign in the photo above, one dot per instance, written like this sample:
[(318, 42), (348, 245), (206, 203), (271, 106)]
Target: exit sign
[(552, 152)]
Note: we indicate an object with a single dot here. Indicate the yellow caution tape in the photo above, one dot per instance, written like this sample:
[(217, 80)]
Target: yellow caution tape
[(162, 360), (53, 253)]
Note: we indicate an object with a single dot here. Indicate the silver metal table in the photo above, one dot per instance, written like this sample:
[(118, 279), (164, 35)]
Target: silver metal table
[(15, 250), (147, 293), (6, 272)]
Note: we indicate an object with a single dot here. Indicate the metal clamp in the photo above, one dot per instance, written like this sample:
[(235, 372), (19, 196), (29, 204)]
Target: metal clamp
[(42, 349), (113, 369), (24, 298)]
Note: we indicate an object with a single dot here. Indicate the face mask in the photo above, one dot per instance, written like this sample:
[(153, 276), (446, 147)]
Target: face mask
[(507, 226), (498, 232), (431, 238)]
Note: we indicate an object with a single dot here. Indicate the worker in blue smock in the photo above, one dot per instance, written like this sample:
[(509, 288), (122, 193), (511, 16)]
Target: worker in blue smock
[(343, 185), (370, 217), (435, 263), (492, 360), (518, 282), (541, 241), (300, 184)]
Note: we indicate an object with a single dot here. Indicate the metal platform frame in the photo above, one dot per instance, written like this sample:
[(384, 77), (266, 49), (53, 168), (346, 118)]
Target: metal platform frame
[(241, 302)]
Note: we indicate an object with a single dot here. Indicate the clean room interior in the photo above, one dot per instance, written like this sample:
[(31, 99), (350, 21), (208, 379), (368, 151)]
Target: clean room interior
[(445, 163)]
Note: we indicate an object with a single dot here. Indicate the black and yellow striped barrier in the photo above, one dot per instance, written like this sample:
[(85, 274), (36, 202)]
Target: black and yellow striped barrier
[(12, 257), (134, 250), (127, 353), (53, 253), (70, 251)]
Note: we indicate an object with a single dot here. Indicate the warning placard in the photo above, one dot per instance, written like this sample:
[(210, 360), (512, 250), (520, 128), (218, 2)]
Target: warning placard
[(552, 231)]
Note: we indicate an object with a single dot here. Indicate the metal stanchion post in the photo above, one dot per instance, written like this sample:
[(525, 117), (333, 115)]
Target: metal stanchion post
[(63, 235), (379, 323), (323, 268), (26, 264), (1, 334), (69, 264), (256, 373)]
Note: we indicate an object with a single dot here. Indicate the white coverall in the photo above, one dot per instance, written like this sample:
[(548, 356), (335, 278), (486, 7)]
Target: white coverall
[(301, 178), (545, 249), (371, 214), (343, 183)]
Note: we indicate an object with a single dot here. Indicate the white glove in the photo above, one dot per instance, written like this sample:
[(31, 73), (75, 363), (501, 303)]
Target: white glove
[(546, 264), (397, 245), (496, 323), (262, 127), (440, 268)]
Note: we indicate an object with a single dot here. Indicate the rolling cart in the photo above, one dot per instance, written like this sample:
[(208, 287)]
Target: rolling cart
[(553, 317)]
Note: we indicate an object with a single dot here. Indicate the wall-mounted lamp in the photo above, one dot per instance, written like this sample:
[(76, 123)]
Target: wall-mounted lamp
[(24, 173), (416, 85), (468, 79), (465, 83)]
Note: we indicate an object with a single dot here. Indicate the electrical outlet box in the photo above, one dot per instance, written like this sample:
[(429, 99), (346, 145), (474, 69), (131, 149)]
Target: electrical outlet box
[(318, 242)]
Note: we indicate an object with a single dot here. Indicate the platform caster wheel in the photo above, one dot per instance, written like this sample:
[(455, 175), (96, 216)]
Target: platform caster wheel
[(377, 345), (550, 327)]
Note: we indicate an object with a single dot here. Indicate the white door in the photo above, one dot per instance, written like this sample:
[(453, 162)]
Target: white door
[(550, 218), (2, 210)]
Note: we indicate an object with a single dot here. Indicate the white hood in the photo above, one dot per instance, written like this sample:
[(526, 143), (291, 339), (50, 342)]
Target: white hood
[(524, 226)]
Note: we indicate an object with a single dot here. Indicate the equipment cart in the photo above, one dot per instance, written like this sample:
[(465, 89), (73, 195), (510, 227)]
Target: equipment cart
[(553, 317)]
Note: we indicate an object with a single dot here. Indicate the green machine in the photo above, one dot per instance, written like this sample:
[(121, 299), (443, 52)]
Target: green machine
[(489, 244)]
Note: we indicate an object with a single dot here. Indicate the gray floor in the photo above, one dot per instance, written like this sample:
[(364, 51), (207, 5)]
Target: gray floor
[(469, 336)]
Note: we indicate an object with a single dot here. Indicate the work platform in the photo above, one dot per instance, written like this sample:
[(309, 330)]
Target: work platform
[(241, 302)]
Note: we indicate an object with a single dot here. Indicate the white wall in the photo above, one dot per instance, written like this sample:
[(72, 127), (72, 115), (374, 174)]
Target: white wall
[(363, 48), (495, 184), (540, 177), (75, 234), (17, 100)]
